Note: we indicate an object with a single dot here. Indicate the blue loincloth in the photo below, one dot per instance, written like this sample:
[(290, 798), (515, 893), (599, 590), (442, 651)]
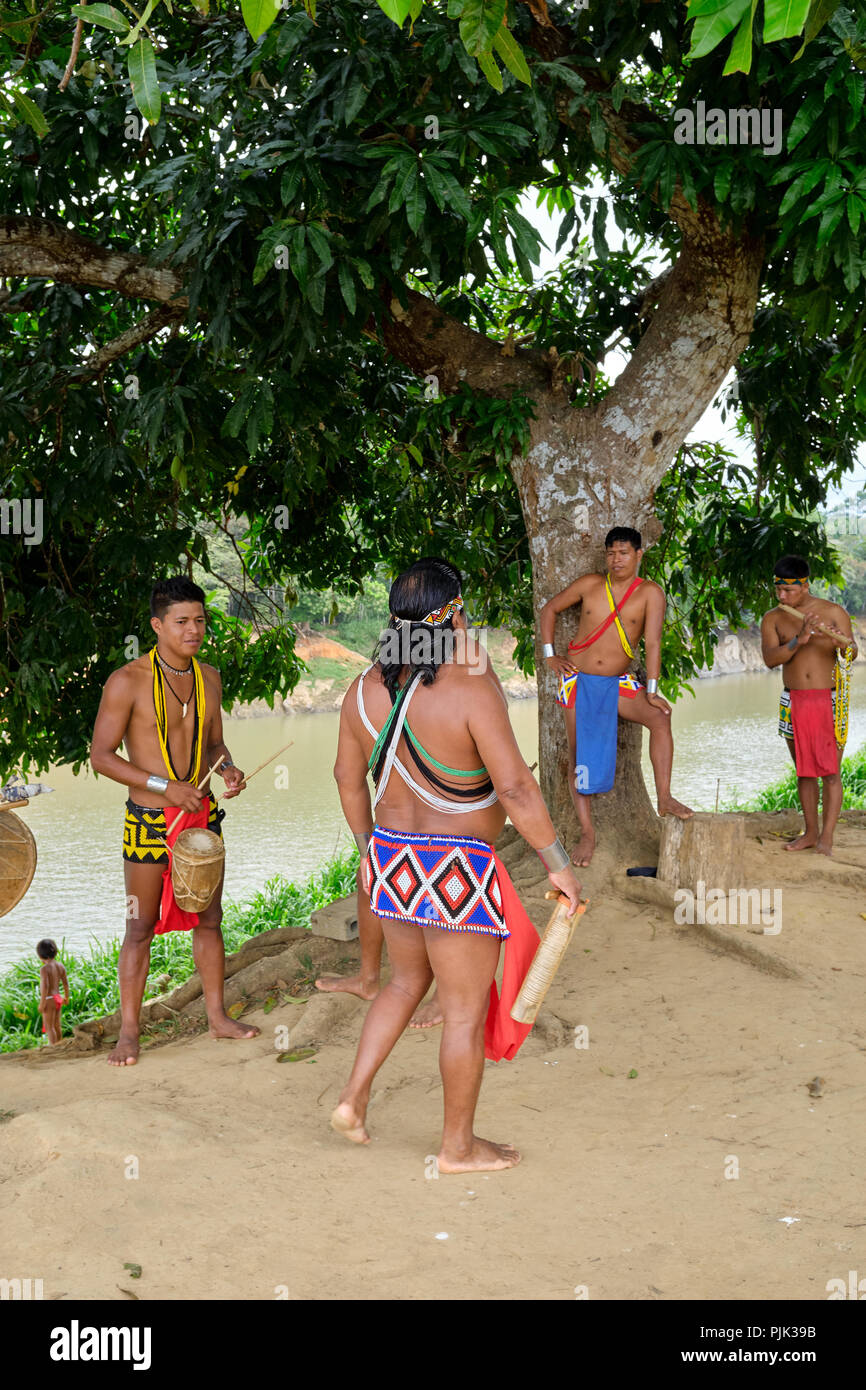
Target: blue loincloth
[(595, 717)]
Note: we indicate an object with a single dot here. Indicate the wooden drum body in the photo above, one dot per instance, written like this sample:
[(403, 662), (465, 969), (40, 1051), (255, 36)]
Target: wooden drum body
[(17, 860), (197, 861)]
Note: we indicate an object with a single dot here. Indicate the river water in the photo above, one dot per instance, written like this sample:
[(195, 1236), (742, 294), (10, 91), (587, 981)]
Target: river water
[(290, 819)]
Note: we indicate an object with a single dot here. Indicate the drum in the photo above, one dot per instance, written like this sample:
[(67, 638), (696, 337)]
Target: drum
[(197, 860), (17, 860)]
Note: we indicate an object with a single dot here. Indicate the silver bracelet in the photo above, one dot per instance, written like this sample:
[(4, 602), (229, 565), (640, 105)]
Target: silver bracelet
[(362, 841), (652, 686), (553, 857), (226, 762), (548, 650), (157, 784)]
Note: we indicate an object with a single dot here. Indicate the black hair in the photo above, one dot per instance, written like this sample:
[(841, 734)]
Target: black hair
[(179, 589), (622, 533), (791, 567), (46, 950), (423, 588)]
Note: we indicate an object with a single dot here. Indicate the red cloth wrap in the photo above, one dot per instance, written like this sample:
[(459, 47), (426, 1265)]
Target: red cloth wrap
[(816, 753), (172, 917), (58, 1004), (503, 1038)]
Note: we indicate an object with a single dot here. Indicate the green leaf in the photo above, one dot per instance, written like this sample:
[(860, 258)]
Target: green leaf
[(259, 15), (445, 189), (365, 273), (106, 15), (784, 18), (722, 182), (804, 184), (490, 68), (395, 9), (31, 112), (148, 11), (347, 286), (821, 11), (319, 242), (714, 20), (512, 55), (415, 201), (300, 1055), (740, 59), (830, 221), (480, 22), (141, 65), (804, 119)]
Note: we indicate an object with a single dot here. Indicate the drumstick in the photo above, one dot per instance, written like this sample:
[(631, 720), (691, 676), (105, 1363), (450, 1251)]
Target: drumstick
[(795, 613), (264, 764), (220, 759)]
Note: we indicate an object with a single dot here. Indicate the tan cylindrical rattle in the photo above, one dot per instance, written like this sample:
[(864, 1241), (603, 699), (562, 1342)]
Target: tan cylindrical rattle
[(547, 959)]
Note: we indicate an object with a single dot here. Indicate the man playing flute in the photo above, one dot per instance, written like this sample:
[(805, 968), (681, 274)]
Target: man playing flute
[(166, 709), (816, 652), (617, 609)]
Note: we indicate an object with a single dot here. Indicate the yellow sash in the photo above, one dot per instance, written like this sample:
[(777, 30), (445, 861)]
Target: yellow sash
[(162, 715), (622, 637)]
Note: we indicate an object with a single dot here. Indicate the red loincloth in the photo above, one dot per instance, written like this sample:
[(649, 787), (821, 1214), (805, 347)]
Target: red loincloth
[(815, 750), (172, 917), (502, 1036), (58, 1004)]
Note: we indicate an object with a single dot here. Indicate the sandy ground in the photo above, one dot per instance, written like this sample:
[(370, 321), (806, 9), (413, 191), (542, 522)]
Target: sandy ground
[(674, 1183)]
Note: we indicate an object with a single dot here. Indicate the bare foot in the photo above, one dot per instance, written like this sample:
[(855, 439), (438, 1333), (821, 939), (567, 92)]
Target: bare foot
[(669, 806), (824, 849), (484, 1156), (224, 1027), (427, 1015), (347, 984), (804, 841), (125, 1051), (583, 851), (351, 1125)]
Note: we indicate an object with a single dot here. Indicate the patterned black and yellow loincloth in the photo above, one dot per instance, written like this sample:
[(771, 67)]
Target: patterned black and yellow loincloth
[(144, 823)]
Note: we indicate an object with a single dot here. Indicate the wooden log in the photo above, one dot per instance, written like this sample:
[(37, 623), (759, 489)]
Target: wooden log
[(706, 848)]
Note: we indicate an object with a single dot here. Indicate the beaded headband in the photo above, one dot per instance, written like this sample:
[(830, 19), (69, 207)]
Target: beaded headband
[(438, 617), (777, 580)]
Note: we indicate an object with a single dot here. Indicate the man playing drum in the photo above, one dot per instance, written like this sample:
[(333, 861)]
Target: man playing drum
[(431, 722), (166, 709)]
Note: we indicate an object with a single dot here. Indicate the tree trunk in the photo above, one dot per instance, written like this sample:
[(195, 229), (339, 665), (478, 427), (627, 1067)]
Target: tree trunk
[(561, 553)]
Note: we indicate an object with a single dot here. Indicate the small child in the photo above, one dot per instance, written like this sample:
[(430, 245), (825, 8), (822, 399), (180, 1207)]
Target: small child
[(52, 978)]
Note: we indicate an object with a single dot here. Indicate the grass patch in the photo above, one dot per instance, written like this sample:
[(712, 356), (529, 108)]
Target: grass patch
[(93, 987), (782, 795), (329, 668)]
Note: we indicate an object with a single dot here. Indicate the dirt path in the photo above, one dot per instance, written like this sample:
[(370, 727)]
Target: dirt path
[(627, 1189)]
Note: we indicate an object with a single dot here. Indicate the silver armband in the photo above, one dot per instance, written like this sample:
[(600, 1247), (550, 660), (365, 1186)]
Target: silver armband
[(548, 650), (362, 841), (652, 686), (553, 857), (157, 784)]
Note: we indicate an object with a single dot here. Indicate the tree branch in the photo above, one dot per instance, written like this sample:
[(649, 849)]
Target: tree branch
[(132, 337), (76, 44), (33, 247), (428, 341)]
